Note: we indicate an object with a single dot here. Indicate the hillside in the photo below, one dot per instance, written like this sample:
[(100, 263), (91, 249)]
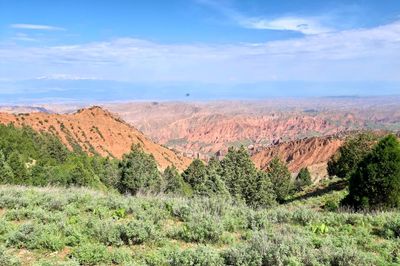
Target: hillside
[(95, 130), (313, 153), (56, 226)]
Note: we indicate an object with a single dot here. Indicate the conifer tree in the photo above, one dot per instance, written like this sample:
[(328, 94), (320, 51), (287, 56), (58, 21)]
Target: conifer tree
[(239, 173), (138, 171), (345, 160), (6, 173), (216, 185), (303, 178), (18, 167), (375, 182), (196, 174), (244, 181), (281, 179), (265, 194), (173, 181)]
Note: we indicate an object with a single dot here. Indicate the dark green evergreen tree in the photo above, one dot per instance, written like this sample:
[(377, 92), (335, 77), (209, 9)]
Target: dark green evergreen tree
[(244, 181), (281, 179), (265, 194), (239, 173), (375, 183), (205, 180), (303, 179), (17, 164), (138, 172), (196, 175), (80, 176), (345, 160), (6, 173), (173, 181), (216, 186), (107, 170)]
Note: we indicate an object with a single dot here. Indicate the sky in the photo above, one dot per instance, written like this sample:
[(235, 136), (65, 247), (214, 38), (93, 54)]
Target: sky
[(70, 50)]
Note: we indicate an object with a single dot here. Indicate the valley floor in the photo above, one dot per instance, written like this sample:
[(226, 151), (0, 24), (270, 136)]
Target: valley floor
[(77, 226)]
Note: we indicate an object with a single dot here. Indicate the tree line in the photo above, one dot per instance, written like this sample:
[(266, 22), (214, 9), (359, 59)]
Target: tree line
[(31, 158), (370, 164)]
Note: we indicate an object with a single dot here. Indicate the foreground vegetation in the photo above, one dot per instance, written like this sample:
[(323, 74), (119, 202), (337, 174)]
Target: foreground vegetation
[(77, 226), (225, 212)]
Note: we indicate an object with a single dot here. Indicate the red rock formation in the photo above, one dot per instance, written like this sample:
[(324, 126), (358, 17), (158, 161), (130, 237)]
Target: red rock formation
[(96, 130), (310, 152)]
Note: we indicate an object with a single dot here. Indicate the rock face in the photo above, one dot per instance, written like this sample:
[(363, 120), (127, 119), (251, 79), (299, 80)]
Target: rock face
[(310, 152), (95, 130)]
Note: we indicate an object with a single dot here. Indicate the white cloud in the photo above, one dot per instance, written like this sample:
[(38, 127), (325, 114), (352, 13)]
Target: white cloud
[(351, 55), (65, 77), (36, 27), (24, 37), (303, 25)]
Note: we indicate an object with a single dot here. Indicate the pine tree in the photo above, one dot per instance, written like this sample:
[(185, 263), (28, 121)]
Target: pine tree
[(375, 183), (18, 167), (79, 175), (138, 171), (303, 179), (244, 181), (106, 169), (265, 196), (196, 174), (345, 160), (216, 185), (6, 173), (173, 181), (239, 173), (281, 179)]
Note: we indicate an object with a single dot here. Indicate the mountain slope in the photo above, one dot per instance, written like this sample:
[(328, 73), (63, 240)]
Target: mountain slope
[(95, 130), (310, 152)]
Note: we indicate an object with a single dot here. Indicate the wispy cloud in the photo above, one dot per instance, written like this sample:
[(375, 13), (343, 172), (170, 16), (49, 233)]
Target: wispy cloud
[(305, 25), (350, 55), (24, 37), (36, 27), (65, 77)]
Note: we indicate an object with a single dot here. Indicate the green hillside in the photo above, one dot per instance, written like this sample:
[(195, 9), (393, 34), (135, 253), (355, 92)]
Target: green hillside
[(60, 207)]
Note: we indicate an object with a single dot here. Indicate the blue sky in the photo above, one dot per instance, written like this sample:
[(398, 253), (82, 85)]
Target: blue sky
[(120, 50)]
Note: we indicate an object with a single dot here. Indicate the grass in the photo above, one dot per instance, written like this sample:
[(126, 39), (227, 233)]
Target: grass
[(78, 226)]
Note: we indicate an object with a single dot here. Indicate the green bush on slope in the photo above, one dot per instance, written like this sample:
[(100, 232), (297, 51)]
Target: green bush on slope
[(375, 182)]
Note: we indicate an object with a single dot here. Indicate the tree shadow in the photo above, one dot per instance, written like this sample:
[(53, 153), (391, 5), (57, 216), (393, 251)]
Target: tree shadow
[(335, 186)]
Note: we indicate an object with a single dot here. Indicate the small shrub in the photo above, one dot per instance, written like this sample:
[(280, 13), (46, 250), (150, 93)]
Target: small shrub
[(91, 254), (120, 256), (137, 232), (36, 237), (201, 256), (331, 206), (7, 259), (201, 229), (391, 229)]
